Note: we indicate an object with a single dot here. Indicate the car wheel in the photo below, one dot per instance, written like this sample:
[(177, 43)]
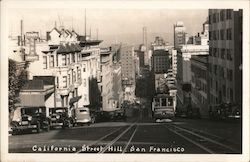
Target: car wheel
[(64, 126), (69, 124), (48, 127), (93, 120), (38, 127)]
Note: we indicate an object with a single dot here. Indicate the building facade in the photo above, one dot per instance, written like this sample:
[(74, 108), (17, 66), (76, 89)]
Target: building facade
[(66, 58), (160, 61), (128, 71), (225, 56), (179, 34), (191, 61)]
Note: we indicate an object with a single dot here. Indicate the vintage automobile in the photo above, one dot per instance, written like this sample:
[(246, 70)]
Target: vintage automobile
[(119, 115), (62, 117), (225, 111), (83, 116), (32, 118)]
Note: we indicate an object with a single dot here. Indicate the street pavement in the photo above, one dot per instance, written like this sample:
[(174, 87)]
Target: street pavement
[(138, 135)]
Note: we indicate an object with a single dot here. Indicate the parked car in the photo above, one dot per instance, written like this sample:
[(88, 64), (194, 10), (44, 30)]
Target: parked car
[(83, 116), (32, 118), (120, 115), (225, 111), (60, 116)]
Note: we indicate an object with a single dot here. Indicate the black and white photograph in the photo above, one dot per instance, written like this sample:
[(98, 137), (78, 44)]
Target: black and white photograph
[(125, 81)]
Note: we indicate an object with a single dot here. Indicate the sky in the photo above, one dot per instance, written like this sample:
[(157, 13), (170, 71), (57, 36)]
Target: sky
[(113, 25)]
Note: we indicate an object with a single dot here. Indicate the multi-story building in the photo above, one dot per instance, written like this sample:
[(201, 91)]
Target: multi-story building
[(127, 63), (160, 61), (199, 84), (141, 55), (185, 74), (117, 91), (72, 62), (179, 34), (128, 72), (225, 56), (173, 54)]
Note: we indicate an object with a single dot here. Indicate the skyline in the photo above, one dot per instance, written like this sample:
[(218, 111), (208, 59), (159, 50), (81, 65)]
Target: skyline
[(115, 26)]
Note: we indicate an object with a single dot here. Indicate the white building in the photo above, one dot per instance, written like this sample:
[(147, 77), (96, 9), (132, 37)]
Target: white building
[(72, 62)]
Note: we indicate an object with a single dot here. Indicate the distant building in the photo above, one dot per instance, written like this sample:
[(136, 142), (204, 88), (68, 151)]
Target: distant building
[(160, 61), (179, 34), (128, 71), (106, 83), (199, 84), (141, 55), (173, 54), (225, 56), (117, 92), (186, 72), (127, 63)]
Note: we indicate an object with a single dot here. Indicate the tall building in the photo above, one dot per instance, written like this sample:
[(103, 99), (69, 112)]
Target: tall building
[(106, 82), (160, 61), (179, 34), (225, 56), (127, 63), (199, 84), (187, 76), (128, 71)]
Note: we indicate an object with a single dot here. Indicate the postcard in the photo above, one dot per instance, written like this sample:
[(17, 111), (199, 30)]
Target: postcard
[(124, 81)]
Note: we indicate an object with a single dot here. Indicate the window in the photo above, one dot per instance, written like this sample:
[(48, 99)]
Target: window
[(56, 59), (78, 74), (73, 57), (64, 81), (214, 35), (170, 102), (229, 54), (45, 62), (228, 14), (221, 34), (216, 85), (222, 53), (224, 90), (210, 19), (64, 60), (163, 102), (74, 76), (57, 82), (230, 74), (68, 59), (157, 102), (84, 68), (222, 72), (231, 95), (51, 62), (214, 18), (215, 52), (215, 69), (229, 34), (222, 15)]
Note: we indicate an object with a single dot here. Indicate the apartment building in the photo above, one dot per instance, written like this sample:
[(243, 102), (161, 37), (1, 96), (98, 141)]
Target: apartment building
[(225, 56)]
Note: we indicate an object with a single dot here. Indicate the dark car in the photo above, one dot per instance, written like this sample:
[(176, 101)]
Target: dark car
[(32, 118), (60, 117), (119, 115)]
